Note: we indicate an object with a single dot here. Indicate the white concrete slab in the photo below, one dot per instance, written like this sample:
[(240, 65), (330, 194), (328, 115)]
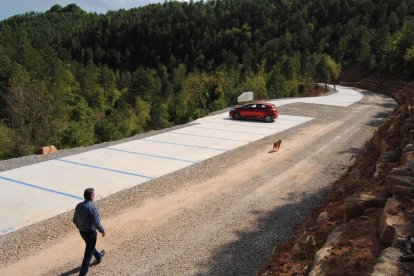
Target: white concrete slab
[(25, 205), (40, 191)]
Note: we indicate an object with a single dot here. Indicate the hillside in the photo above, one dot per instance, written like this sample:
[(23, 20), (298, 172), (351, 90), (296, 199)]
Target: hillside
[(363, 225), (72, 78)]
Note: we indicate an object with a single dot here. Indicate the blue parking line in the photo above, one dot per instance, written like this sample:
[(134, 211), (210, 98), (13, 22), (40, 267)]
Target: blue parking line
[(39, 187), (102, 168), (209, 137), (236, 131), (152, 155), (184, 145)]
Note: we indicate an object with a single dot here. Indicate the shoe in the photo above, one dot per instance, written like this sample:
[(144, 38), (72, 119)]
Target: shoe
[(102, 255)]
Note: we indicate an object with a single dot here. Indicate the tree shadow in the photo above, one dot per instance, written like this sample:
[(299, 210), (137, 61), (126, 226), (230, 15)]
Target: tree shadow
[(375, 123), (388, 105), (252, 248), (384, 114), (350, 150)]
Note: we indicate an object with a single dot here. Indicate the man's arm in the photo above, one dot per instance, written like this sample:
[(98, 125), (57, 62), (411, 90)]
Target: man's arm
[(96, 220), (75, 217)]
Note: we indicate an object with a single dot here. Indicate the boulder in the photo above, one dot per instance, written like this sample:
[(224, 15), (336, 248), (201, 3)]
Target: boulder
[(400, 185), (384, 146), (323, 217), (386, 229), (47, 150), (389, 157), (376, 140), (357, 204), (406, 157), (407, 127), (402, 170), (408, 147), (388, 263), (379, 170), (392, 206), (304, 248), (391, 227), (320, 263)]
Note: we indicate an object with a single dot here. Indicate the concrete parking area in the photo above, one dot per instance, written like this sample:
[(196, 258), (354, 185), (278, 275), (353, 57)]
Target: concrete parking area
[(33, 193)]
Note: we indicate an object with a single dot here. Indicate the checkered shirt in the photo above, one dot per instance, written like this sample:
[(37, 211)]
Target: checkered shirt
[(86, 217)]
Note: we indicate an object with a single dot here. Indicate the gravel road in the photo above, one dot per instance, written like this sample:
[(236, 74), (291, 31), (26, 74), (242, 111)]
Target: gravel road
[(219, 217)]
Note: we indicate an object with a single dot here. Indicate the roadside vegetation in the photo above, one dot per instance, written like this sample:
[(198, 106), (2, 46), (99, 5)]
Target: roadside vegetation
[(72, 78)]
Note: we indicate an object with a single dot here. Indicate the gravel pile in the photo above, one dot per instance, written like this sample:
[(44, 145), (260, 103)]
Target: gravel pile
[(233, 232)]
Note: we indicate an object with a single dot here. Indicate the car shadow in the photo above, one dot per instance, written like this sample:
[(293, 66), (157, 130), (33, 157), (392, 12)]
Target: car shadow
[(248, 120), (251, 248)]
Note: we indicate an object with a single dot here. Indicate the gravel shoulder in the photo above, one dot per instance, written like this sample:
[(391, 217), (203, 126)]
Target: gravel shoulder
[(219, 217)]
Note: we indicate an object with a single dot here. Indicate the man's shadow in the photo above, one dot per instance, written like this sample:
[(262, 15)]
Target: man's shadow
[(76, 271)]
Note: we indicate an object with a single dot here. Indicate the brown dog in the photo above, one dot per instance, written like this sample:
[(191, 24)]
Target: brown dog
[(276, 145)]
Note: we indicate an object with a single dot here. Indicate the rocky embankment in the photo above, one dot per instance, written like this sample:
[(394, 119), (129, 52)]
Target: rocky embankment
[(364, 225)]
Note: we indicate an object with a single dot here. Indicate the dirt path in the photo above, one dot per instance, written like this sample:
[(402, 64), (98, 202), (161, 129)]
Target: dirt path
[(226, 224)]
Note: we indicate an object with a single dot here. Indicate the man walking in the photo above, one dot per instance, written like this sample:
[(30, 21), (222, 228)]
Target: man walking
[(87, 220)]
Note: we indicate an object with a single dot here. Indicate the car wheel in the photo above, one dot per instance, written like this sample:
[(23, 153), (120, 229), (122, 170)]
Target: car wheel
[(268, 119), (236, 116)]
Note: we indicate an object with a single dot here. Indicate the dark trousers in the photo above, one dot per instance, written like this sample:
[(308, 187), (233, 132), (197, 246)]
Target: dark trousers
[(90, 238)]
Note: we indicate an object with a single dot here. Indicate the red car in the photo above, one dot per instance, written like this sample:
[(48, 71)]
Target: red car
[(258, 110)]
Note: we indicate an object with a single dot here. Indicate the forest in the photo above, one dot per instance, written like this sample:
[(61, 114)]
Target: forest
[(72, 78)]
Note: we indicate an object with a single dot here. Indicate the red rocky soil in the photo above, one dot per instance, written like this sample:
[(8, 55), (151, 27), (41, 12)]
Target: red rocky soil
[(366, 210)]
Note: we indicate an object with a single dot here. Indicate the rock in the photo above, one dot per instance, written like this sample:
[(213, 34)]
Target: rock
[(47, 150), (408, 147), (406, 157), (384, 146), (323, 217), (388, 263), (320, 265), (389, 156), (407, 127), (383, 169), (379, 170), (409, 120), (359, 170), (297, 252), (377, 141), (354, 175), (410, 165), (386, 229), (402, 170), (392, 206), (391, 227), (357, 204), (400, 185), (304, 248)]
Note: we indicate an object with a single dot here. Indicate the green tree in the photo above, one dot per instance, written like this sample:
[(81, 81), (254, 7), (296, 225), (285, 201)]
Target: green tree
[(329, 69), (257, 83), (36, 115), (6, 142)]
